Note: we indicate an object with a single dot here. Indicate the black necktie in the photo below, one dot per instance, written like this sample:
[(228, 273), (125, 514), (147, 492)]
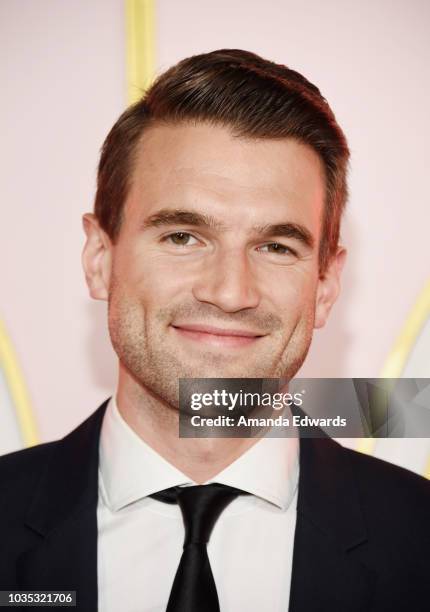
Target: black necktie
[(194, 587)]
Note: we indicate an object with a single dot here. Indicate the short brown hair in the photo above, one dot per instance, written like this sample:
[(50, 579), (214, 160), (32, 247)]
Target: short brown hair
[(252, 96)]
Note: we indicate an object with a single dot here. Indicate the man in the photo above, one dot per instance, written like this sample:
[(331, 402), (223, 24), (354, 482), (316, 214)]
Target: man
[(214, 240)]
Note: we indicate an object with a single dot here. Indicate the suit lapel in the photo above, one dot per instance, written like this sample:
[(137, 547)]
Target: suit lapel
[(64, 515), (330, 525)]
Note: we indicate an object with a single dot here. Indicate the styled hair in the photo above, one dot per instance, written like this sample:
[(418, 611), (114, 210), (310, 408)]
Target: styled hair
[(254, 98)]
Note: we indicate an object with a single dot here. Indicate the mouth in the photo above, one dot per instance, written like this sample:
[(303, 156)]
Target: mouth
[(217, 336)]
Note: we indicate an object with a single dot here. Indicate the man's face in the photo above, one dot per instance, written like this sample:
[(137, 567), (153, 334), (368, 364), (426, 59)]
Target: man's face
[(215, 272)]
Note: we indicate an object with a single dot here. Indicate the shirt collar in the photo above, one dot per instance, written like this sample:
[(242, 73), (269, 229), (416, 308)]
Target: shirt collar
[(130, 469)]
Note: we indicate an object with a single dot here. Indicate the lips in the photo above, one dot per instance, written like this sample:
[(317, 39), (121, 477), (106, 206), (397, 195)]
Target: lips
[(217, 336)]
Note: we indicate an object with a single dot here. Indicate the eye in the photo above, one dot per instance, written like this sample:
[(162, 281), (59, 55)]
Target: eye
[(277, 248), (180, 239)]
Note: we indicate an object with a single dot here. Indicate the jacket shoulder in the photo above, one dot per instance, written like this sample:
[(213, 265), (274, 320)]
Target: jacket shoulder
[(20, 472), (392, 497), (30, 458), (380, 473)]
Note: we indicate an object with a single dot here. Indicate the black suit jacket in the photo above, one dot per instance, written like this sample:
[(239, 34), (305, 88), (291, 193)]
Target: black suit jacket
[(362, 540)]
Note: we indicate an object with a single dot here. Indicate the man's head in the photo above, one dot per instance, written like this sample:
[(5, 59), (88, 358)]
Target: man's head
[(219, 202)]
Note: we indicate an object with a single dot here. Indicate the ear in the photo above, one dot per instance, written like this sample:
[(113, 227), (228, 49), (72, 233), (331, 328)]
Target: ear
[(96, 258), (328, 288)]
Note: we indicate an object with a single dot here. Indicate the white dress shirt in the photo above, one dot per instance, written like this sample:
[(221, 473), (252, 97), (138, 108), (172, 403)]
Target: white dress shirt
[(140, 539)]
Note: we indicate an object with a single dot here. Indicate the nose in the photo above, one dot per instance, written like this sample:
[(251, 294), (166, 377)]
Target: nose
[(228, 282)]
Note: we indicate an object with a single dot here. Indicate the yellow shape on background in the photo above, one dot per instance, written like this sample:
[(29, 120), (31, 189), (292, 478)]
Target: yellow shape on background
[(140, 47), (400, 352), (407, 338), (18, 389)]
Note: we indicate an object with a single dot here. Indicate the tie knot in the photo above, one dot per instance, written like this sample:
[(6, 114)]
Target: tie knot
[(201, 506)]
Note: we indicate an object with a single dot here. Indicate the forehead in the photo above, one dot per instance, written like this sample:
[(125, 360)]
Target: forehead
[(208, 169)]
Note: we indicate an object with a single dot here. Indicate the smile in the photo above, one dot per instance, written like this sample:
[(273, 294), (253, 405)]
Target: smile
[(216, 336)]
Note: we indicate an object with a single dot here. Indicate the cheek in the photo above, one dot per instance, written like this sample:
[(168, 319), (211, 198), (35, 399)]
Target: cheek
[(151, 279), (290, 291)]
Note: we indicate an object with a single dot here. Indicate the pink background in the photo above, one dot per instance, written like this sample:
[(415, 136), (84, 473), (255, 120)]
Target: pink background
[(63, 86)]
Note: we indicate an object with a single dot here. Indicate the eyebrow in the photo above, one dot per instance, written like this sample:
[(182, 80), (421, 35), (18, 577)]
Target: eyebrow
[(287, 230), (169, 216)]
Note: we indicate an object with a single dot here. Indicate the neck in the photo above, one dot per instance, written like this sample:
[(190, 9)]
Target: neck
[(157, 424)]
